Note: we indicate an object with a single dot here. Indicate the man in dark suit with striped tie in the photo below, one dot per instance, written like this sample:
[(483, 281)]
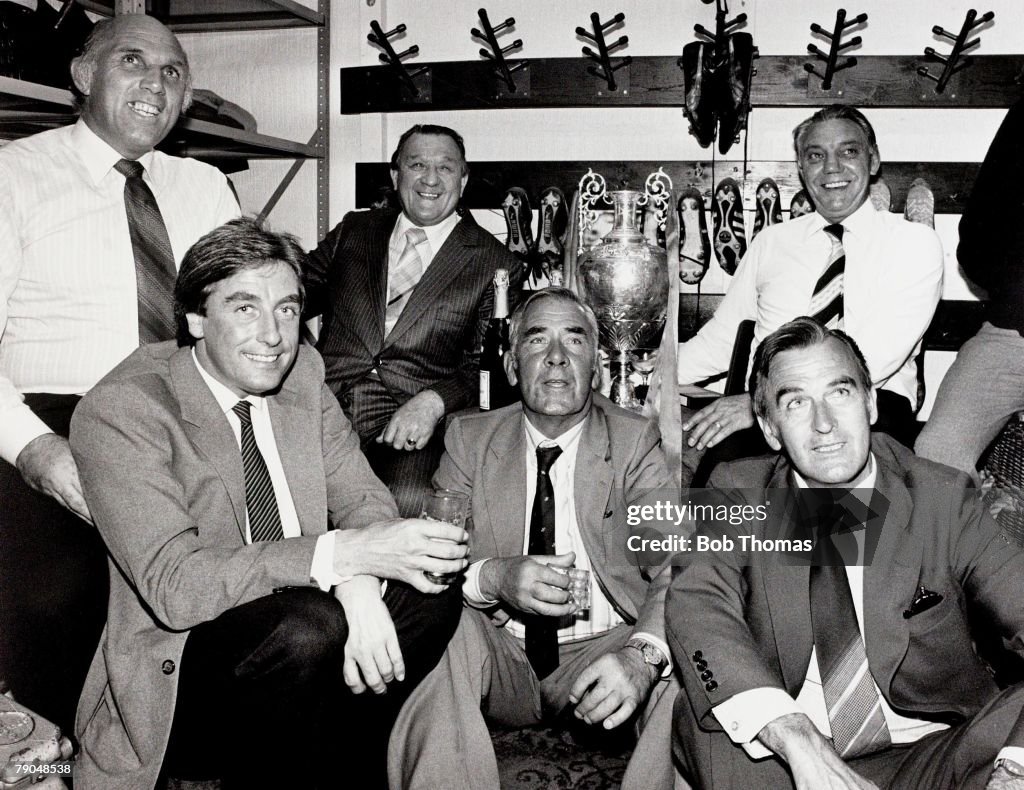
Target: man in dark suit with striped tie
[(871, 273), (405, 298), (846, 662), (233, 499)]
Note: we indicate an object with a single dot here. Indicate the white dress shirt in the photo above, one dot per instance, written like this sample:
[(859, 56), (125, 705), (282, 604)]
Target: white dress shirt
[(891, 286), (322, 570), (744, 715), (437, 235), (602, 615), (68, 300)]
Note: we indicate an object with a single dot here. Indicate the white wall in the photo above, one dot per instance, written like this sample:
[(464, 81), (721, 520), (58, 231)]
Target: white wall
[(660, 27), (272, 74)]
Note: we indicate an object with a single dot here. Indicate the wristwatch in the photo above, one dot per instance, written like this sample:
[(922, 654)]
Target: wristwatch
[(652, 653), (1012, 767)]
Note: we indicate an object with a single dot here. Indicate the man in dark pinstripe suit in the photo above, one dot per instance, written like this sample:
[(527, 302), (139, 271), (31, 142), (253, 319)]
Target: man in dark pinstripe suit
[(402, 329)]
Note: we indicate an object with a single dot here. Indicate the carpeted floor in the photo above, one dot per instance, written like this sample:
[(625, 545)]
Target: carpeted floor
[(556, 757)]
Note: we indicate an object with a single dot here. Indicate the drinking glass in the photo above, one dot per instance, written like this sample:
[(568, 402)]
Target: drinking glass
[(451, 507)]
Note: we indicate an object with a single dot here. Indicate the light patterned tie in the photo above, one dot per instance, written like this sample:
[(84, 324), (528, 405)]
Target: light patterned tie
[(260, 500), (403, 276), (154, 259), (827, 300), (851, 697)]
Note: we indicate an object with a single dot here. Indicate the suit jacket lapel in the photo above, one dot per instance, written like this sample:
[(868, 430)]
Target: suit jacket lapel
[(295, 431), (592, 485), (504, 489), (455, 254), (891, 579), (208, 429), (375, 274), (787, 587)]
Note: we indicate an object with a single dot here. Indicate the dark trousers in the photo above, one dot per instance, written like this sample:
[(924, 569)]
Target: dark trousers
[(53, 587), (959, 758), (262, 701), (369, 406), (895, 417)]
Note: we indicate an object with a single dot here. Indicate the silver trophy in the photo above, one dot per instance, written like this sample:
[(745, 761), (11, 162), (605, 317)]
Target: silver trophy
[(624, 278)]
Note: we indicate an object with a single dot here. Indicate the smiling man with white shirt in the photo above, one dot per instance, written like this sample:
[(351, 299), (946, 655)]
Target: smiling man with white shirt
[(77, 295), (231, 493), (829, 669), (871, 273)]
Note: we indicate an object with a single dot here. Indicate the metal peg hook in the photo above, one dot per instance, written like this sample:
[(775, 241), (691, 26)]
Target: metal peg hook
[(836, 46), (604, 49), (394, 59), (957, 59), (497, 53)]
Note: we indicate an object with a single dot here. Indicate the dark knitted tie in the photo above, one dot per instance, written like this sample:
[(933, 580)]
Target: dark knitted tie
[(542, 631), (260, 502), (827, 300), (853, 703), (154, 260)]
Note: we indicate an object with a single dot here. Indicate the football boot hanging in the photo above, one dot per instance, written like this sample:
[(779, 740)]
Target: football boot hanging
[(694, 245), (767, 206), (920, 204), (515, 207), (730, 235), (880, 195), (548, 254), (716, 76), (800, 205)]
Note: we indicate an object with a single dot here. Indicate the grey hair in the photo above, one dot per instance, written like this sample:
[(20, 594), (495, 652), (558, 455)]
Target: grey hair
[(799, 333), (835, 112)]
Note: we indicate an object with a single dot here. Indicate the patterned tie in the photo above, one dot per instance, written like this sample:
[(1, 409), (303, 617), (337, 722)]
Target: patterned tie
[(403, 276), (154, 260), (827, 301), (260, 501), (851, 697), (542, 631)]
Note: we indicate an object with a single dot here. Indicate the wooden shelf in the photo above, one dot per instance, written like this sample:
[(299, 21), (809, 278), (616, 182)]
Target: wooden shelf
[(27, 108), (951, 182), (205, 15), (657, 81)]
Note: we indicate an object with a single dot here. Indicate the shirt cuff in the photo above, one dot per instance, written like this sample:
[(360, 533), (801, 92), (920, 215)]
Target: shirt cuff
[(471, 586), (658, 643), (322, 571), (21, 426), (1015, 753), (744, 715)]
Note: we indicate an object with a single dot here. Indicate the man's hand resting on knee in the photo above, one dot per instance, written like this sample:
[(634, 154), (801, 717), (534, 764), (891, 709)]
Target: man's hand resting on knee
[(714, 423), (613, 687), (372, 655)]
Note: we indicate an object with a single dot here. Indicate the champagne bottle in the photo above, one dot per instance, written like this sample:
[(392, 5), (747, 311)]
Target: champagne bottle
[(495, 391)]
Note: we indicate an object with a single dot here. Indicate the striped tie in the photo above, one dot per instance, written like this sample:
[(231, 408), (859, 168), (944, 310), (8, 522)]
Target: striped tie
[(154, 260), (403, 276), (851, 697), (827, 301), (542, 631), (260, 501)]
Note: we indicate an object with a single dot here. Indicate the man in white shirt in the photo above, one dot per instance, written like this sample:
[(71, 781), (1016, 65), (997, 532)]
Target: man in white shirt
[(550, 482), (888, 285), (69, 312), (232, 496), (905, 702)]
